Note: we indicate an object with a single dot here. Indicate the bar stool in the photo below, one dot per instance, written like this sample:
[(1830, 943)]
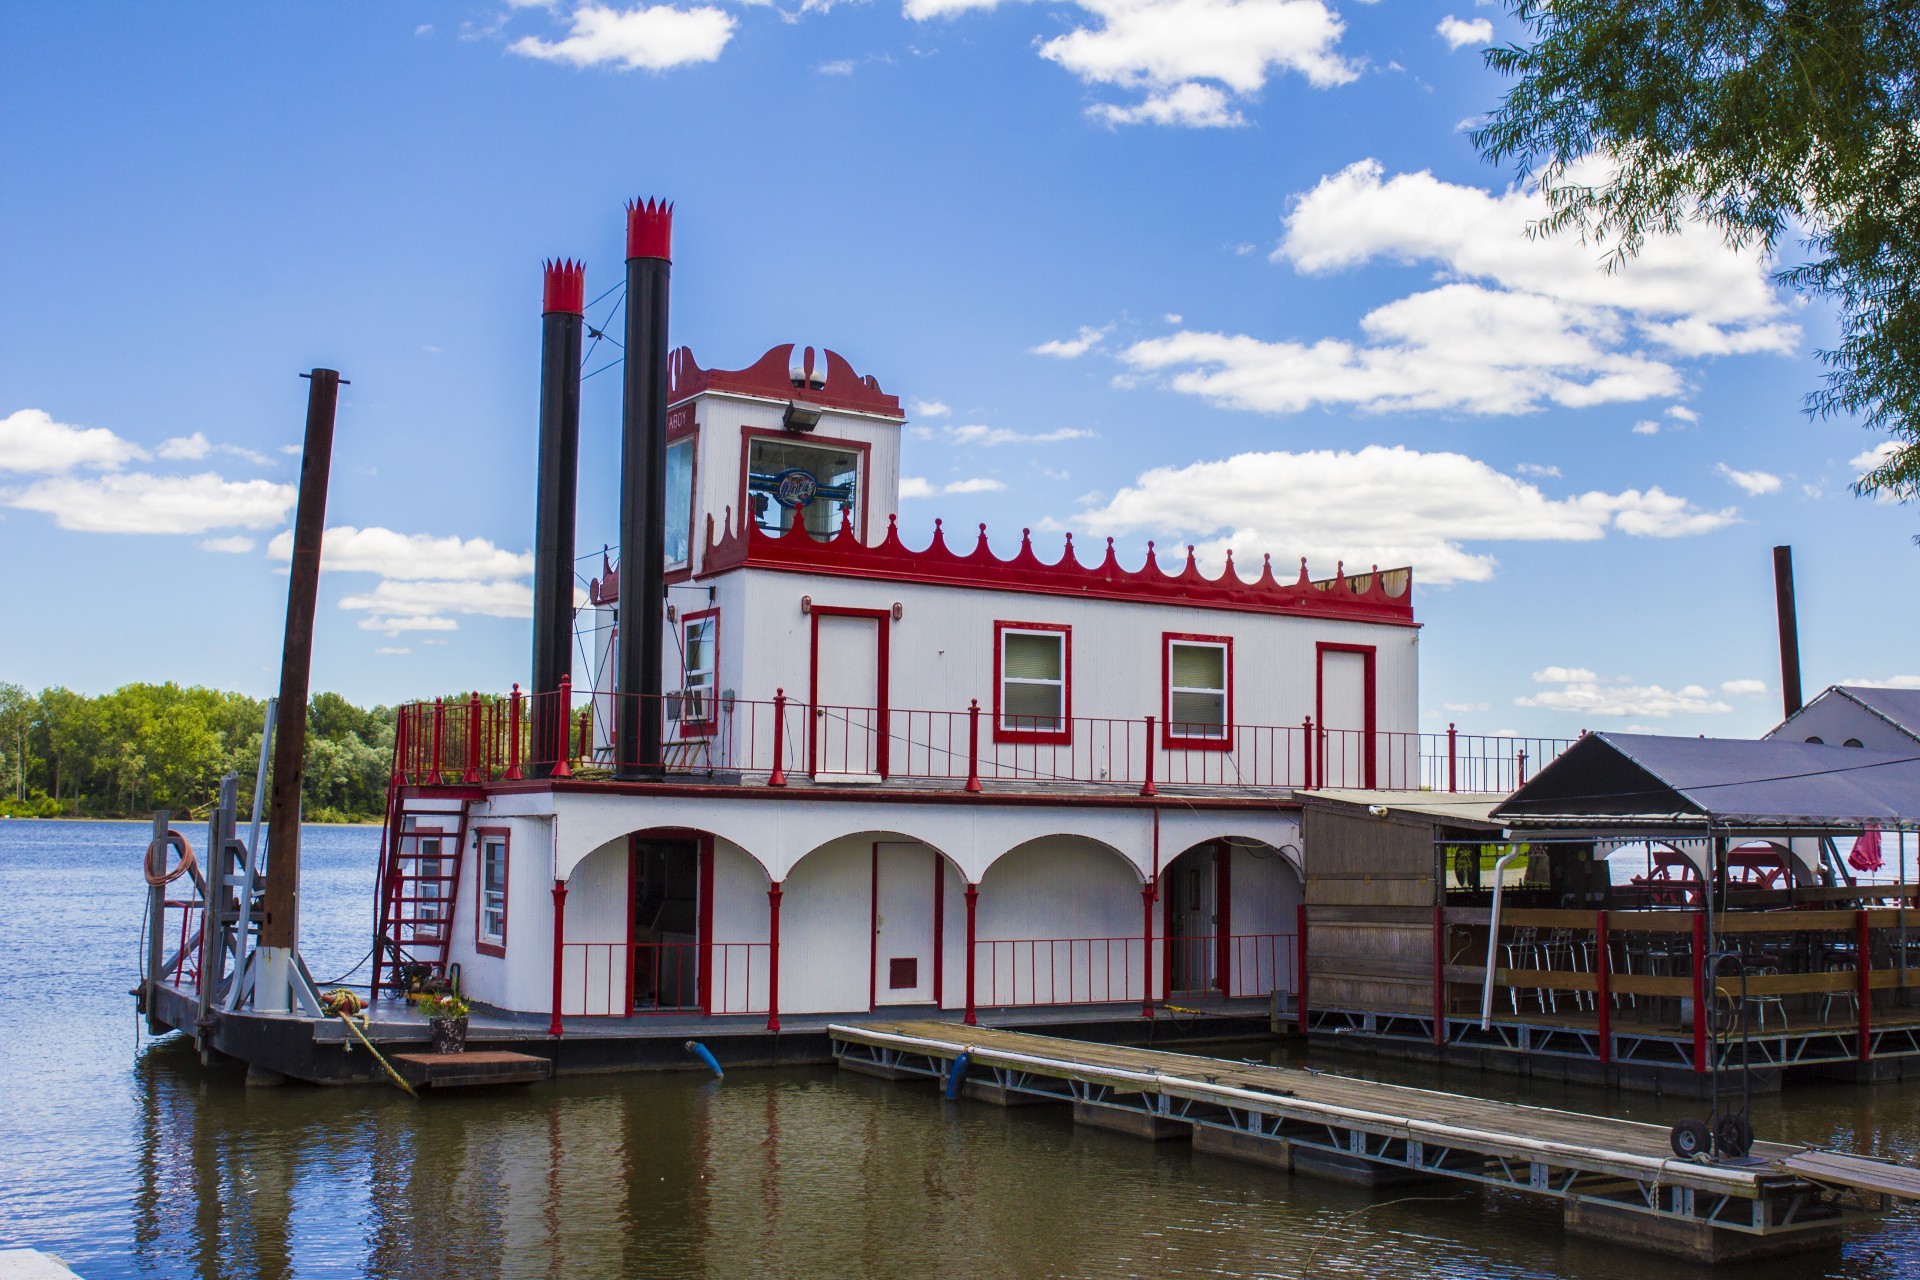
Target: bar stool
[(1851, 996), (1760, 1002), (1523, 952)]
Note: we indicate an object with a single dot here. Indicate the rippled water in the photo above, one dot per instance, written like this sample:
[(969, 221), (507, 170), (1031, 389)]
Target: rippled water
[(127, 1158)]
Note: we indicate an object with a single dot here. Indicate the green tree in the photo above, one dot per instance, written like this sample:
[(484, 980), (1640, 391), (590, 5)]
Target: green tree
[(16, 716), (1767, 119)]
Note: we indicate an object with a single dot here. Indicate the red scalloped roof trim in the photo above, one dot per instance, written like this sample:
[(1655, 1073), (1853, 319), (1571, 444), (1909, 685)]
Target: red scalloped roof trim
[(770, 376), (649, 229), (1364, 597)]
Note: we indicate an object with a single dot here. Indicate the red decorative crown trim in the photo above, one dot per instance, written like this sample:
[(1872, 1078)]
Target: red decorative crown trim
[(771, 376), (1375, 596), (650, 229), (566, 287)]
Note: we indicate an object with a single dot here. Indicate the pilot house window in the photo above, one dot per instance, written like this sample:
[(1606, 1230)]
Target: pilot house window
[(816, 486), (1033, 700)]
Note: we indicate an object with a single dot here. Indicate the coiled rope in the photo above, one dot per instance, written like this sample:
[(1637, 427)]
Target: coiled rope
[(180, 868)]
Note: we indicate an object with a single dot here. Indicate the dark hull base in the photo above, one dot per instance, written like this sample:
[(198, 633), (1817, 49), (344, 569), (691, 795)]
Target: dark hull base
[(320, 1052)]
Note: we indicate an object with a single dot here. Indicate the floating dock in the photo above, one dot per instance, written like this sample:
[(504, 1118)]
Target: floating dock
[(1617, 1179)]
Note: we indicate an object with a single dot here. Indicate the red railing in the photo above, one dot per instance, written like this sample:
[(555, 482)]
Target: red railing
[(478, 738), (1241, 964), (621, 979), (1010, 972)]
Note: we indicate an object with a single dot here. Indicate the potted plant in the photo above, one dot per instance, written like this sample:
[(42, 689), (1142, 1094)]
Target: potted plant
[(447, 1014)]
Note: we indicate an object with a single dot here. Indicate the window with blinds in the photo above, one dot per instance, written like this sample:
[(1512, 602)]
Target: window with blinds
[(1197, 691), (697, 688), (493, 890), (1033, 681)]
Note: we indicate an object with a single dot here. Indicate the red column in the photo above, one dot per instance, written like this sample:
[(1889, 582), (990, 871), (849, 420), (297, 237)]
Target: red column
[(439, 733), (773, 956), (1453, 759), (1863, 970), (1439, 974), (1147, 788), (1603, 980), (1146, 950), (1306, 747), (513, 735), (559, 953), (1300, 962), (973, 745), (1699, 991), (778, 778), (973, 899)]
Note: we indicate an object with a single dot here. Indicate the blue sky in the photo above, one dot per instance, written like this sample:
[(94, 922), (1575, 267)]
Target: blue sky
[(1226, 272)]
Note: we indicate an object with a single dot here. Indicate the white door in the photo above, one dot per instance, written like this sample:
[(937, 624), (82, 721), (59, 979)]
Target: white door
[(847, 699), (903, 922), (1346, 745)]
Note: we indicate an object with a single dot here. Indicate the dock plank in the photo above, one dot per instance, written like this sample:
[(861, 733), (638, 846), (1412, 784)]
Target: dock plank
[(474, 1067)]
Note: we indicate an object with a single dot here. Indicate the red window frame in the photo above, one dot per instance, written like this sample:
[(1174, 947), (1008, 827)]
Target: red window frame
[(864, 448), (708, 727), (1062, 736), (481, 835), (687, 429), (1170, 740)]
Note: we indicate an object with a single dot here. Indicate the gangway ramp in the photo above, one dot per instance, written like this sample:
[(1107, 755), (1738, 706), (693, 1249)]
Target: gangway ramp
[(1617, 1179)]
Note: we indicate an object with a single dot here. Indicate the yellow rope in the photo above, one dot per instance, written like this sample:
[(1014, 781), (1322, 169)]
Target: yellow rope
[(362, 1037)]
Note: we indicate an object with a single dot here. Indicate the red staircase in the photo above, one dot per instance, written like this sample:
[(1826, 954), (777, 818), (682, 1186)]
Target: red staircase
[(420, 864)]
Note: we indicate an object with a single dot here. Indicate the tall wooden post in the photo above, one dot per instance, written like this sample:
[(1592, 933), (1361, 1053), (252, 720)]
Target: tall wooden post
[(280, 919), (156, 866)]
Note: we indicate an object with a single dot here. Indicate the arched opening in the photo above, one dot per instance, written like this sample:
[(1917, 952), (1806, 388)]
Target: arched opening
[(1230, 918), (870, 920), (1060, 921), (666, 920)]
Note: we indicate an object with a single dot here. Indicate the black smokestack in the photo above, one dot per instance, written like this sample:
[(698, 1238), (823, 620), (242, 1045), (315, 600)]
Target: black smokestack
[(643, 489), (1789, 629), (560, 327)]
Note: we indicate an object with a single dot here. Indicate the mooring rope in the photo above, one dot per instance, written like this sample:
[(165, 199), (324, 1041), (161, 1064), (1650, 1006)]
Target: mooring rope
[(343, 1004)]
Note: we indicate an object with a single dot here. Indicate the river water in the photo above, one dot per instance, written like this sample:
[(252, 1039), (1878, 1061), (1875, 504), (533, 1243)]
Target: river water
[(125, 1157)]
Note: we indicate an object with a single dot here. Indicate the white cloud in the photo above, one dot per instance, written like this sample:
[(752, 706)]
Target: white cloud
[(1536, 469), (1379, 505), (408, 556), (1885, 682), (1190, 105), (922, 10), (186, 448), (1564, 675), (838, 67), (1070, 348), (31, 441), (1581, 691), (1744, 688), (419, 599), (238, 545), (1191, 57), (1753, 482), (1514, 325), (1680, 413), (392, 649), (1458, 33), (917, 487), (1646, 427), (929, 409), (139, 503), (399, 626), (1865, 462), (977, 433), (642, 38)]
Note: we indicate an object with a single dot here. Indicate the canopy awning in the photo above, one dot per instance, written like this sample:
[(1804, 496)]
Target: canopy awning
[(1647, 782)]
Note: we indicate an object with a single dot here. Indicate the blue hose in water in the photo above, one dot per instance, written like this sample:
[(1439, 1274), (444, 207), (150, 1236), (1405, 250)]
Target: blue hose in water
[(957, 1076), (706, 1055)]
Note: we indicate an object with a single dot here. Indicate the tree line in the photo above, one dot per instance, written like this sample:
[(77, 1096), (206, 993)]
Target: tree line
[(161, 746)]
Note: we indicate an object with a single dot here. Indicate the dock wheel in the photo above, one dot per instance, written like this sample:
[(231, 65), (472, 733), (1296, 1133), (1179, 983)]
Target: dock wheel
[(1690, 1139), (1733, 1136)]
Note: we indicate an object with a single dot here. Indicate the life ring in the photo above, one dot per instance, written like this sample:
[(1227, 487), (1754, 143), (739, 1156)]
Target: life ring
[(180, 868)]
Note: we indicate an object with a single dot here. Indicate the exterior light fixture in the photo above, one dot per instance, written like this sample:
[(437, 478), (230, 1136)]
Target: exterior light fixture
[(800, 417)]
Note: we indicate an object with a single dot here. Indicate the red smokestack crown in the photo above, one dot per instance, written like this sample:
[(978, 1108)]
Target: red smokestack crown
[(566, 287), (650, 229)]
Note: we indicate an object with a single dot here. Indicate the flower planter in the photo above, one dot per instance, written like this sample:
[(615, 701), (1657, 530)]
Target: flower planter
[(449, 1035)]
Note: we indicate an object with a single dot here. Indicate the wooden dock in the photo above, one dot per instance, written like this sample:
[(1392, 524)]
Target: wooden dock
[(1617, 1179), (472, 1067)]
